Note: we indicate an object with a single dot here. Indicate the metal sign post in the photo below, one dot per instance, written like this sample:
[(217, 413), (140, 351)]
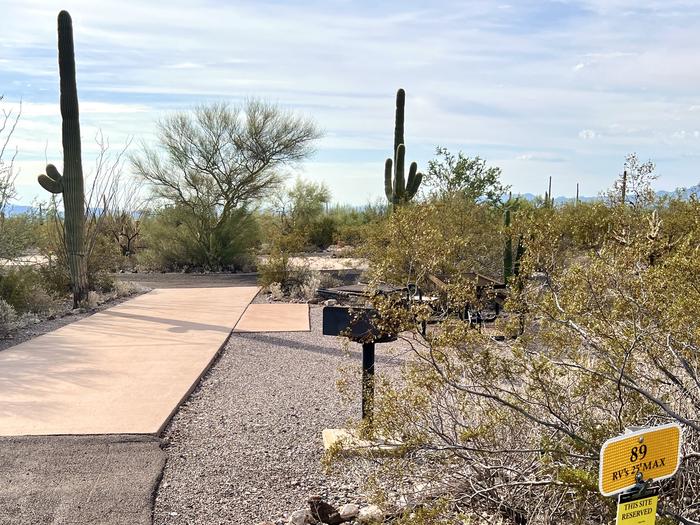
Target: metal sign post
[(367, 382)]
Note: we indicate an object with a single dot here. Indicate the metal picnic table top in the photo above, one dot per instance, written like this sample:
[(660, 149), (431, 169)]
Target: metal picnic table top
[(361, 289)]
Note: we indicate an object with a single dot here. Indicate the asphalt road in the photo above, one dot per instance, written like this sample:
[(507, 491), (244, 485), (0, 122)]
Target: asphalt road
[(110, 480)]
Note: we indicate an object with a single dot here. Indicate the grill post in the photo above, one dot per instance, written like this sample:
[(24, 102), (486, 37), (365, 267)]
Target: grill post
[(367, 382)]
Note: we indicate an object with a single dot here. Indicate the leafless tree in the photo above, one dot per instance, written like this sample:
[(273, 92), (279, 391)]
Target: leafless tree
[(8, 124), (109, 194)]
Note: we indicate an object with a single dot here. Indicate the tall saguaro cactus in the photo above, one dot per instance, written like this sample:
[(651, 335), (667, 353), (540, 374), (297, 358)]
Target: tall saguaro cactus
[(511, 257), (399, 190), (70, 184)]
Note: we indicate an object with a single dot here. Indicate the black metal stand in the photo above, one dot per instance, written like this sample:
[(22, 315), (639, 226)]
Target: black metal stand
[(367, 382)]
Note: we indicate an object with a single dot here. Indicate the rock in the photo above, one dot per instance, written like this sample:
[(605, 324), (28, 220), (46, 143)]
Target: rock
[(349, 511), (370, 514), (324, 512), (330, 302), (266, 523), (301, 517)]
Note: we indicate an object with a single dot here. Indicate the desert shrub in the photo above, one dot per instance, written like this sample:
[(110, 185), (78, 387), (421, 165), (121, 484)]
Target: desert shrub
[(322, 232), (55, 278), (8, 318), (353, 225), (286, 279), (611, 341), (19, 234), (295, 219), (23, 289), (448, 237), (127, 288), (103, 258), (469, 178), (172, 241)]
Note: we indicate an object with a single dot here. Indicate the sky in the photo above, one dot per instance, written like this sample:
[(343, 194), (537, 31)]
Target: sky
[(551, 88)]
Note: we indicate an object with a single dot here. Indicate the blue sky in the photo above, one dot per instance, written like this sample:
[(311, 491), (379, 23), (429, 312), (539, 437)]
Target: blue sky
[(560, 88)]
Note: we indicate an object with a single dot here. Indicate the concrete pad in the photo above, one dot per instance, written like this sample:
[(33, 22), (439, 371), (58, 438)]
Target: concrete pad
[(280, 317), (54, 480), (121, 371)]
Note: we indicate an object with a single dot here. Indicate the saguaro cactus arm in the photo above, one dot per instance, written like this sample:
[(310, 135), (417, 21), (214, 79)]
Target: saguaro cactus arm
[(52, 181), (388, 180), (414, 179)]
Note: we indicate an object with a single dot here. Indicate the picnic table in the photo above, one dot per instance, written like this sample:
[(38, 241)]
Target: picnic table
[(483, 285), (360, 290)]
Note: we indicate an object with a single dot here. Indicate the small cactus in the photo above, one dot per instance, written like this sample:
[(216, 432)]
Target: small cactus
[(511, 258), (508, 249), (70, 184), (398, 190)]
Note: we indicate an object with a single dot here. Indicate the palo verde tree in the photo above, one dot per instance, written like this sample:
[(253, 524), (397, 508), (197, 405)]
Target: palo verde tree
[(70, 184), (213, 163), (449, 175)]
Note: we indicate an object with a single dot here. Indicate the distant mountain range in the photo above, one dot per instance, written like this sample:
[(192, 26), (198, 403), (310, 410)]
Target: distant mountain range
[(685, 193), (14, 209)]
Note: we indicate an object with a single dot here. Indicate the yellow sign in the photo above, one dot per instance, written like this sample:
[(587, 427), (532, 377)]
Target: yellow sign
[(637, 512), (652, 452)]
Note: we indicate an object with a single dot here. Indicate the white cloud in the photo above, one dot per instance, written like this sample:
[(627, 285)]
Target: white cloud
[(490, 81)]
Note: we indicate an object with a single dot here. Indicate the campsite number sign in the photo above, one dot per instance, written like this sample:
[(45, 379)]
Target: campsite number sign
[(650, 453)]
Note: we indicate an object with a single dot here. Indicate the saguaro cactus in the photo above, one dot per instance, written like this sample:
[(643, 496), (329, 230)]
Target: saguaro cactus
[(511, 258), (70, 184), (507, 249), (398, 190)]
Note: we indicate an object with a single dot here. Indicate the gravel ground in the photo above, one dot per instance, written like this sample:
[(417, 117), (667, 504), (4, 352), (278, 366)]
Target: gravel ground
[(246, 447)]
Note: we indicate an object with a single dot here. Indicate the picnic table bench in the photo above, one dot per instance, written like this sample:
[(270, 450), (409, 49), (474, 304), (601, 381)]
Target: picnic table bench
[(483, 284)]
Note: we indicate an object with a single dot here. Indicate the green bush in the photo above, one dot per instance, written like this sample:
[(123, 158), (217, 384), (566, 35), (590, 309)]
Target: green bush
[(8, 318), (23, 289), (172, 242), (18, 235), (353, 225), (289, 279), (55, 278), (322, 232)]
